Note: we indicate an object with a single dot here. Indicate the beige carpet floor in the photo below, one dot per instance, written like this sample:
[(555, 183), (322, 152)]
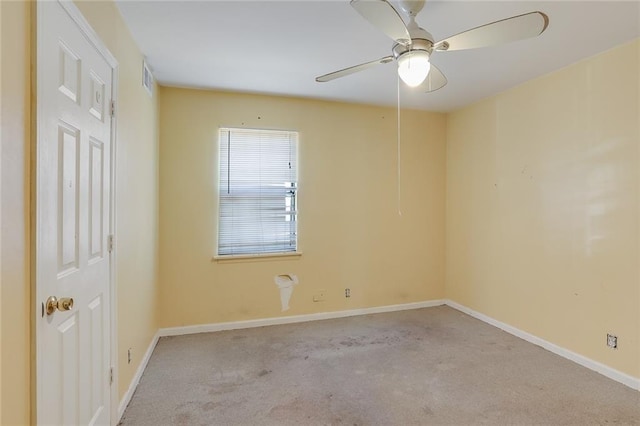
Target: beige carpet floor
[(427, 366)]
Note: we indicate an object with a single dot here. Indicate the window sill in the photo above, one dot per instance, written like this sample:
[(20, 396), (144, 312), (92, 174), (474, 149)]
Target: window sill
[(255, 257)]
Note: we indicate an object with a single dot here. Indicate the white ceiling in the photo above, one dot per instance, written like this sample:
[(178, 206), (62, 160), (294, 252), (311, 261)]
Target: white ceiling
[(279, 47)]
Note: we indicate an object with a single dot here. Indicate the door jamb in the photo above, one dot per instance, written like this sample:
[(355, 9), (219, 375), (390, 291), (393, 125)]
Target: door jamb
[(74, 13)]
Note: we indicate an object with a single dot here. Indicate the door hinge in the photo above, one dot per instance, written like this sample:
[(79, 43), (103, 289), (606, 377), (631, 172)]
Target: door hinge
[(111, 376), (110, 243), (113, 109)]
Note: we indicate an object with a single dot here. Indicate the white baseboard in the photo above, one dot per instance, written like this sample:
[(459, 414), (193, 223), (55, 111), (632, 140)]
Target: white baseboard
[(136, 378), (236, 325), (596, 366)]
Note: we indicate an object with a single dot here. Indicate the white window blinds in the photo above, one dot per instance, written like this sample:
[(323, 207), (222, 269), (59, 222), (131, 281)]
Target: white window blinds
[(257, 193)]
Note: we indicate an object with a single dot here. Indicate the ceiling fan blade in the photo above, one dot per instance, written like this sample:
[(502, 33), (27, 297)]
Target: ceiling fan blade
[(351, 70), (384, 17), (511, 29), (435, 80)]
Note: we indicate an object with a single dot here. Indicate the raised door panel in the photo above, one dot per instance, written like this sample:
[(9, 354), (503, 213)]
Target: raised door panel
[(68, 198)]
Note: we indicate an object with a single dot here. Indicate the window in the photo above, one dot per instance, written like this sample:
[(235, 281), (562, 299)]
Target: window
[(257, 193)]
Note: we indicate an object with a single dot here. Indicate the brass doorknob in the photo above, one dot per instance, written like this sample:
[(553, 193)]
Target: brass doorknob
[(62, 304)]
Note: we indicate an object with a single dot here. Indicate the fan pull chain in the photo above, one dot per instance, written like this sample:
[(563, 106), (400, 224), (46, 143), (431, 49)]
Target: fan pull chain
[(398, 140)]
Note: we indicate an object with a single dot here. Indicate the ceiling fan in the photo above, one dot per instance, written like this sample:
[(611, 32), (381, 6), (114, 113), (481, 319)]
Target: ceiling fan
[(414, 46)]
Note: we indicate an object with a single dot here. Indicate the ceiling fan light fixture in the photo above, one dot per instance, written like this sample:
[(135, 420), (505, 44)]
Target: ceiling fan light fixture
[(413, 67)]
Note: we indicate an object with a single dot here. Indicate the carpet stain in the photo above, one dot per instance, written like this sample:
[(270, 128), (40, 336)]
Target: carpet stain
[(351, 342), (445, 366), (264, 373), (209, 406), (183, 419), (298, 409), (222, 388), (395, 338)]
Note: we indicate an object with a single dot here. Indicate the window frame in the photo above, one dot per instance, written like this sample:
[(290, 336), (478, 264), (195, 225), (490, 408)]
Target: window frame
[(253, 255)]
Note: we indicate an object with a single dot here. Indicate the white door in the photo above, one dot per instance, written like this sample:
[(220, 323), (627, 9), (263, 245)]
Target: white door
[(73, 221)]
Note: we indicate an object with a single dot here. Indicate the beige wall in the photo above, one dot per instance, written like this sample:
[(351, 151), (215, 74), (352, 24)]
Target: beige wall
[(14, 275), (543, 207), (137, 195), (349, 228)]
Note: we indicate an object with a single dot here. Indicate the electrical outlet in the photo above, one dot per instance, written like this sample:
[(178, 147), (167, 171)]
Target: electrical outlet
[(347, 292), (129, 354), (319, 295), (612, 341)]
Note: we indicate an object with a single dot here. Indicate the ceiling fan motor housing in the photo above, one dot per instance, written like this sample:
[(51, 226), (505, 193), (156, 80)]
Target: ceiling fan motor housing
[(420, 40), (416, 44)]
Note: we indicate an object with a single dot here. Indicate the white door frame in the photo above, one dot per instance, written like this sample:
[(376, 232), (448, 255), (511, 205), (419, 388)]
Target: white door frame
[(93, 38)]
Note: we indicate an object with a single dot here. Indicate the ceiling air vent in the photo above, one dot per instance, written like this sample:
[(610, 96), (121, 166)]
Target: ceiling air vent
[(147, 78)]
